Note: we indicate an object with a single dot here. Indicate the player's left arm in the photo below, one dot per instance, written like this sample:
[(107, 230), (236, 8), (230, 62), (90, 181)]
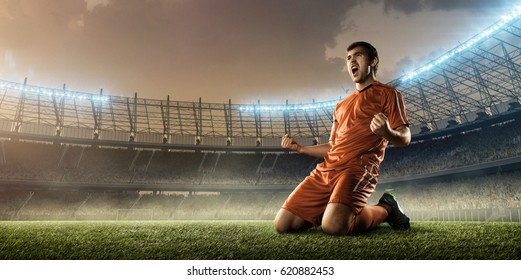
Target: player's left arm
[(399, 137)]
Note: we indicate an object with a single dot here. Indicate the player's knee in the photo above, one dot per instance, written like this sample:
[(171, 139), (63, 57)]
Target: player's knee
[(335, 228), (281, 223), (286, 222), (331, 229), (338, 219), (281, 227)]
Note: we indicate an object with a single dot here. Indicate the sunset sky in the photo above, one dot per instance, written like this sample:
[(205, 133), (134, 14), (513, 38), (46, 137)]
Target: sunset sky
[(243, 50)]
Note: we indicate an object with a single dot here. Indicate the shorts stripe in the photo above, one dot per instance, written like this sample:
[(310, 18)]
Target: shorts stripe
[(363, 177)]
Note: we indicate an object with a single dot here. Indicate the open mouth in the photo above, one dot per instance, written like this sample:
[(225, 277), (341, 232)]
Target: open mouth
[(354, 69)]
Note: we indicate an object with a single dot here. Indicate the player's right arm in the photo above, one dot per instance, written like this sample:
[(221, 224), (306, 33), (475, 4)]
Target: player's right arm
[(318, 151)]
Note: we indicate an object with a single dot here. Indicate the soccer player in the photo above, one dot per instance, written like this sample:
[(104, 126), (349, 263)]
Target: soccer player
[(334, 196)]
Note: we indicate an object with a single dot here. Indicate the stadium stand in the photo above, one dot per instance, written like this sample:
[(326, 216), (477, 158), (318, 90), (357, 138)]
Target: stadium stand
[(82, 156), (253, 180)]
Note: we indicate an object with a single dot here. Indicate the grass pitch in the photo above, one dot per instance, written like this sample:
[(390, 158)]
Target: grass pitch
[(256, 240)]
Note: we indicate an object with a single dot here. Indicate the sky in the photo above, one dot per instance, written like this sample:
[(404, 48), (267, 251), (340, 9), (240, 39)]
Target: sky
[(216, 50)]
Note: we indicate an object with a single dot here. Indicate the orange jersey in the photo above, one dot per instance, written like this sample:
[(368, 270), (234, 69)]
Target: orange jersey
[(352, 141)]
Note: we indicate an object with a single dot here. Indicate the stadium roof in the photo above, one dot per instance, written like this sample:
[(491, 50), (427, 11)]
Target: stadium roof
[(479, 78)]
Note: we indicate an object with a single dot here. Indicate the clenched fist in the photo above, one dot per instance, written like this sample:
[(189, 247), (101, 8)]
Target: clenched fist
[(289, 143), (380, 125)]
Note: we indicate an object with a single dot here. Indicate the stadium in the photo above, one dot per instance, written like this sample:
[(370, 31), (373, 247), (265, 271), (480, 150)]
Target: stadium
[(77, 156)]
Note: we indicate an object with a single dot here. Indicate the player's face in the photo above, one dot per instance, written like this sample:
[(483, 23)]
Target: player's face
[(358, 65)]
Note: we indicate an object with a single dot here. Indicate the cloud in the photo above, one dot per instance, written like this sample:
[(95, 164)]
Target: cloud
[(91, 4), (406, 6), (9, 60), (412, 6), (396, 70), (220, 49), (215, 49)]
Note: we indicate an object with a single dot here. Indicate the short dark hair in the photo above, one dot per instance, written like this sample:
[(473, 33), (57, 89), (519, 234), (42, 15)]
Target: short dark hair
[(371, 51)]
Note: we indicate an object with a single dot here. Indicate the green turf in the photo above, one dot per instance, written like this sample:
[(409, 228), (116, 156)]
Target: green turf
[(253, 240)]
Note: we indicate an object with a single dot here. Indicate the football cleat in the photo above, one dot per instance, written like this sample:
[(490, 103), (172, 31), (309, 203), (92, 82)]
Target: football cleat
[(396, 218)]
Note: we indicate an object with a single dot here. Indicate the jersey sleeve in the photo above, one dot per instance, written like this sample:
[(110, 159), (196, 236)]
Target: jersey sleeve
[(394, 109)]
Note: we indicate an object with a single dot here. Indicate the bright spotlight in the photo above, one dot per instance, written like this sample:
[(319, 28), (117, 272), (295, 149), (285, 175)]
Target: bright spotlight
[(466, 45)]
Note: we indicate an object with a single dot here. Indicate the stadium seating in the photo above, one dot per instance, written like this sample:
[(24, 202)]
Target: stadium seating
[(253, 173)]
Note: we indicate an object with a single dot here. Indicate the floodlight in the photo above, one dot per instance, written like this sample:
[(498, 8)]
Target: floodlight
[(466, 45)]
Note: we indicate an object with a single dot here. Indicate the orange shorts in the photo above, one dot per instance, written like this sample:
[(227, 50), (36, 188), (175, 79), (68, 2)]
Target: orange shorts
[(351, 186)]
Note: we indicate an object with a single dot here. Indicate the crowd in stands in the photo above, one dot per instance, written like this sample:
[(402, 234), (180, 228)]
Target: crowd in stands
[(499, 191), (45, 162), (85, 164), (483, 192), (475, 147)]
